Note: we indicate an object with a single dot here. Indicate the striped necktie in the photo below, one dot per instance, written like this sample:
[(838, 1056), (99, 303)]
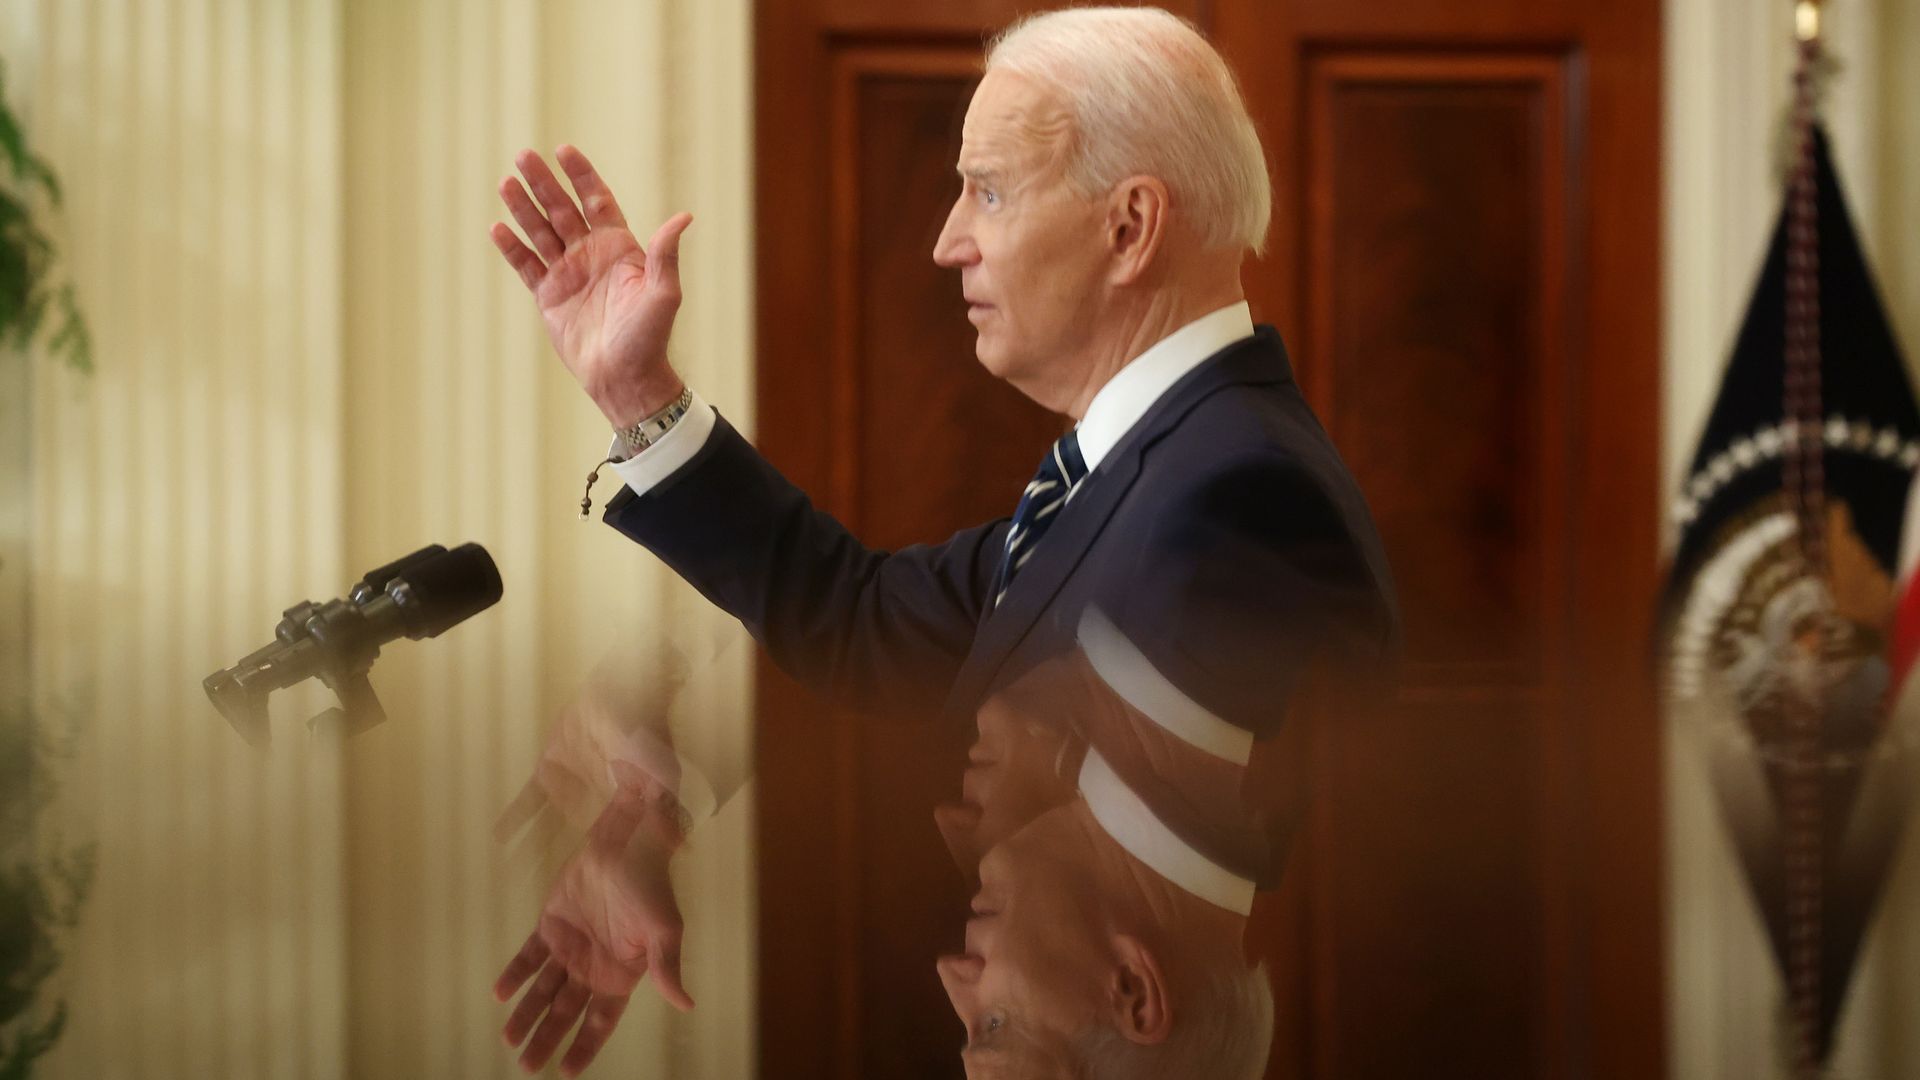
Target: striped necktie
[(1060, 471)]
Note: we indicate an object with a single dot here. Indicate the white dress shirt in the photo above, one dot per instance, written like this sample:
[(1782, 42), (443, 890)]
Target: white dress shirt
[(1120, 404), (1115, 408)]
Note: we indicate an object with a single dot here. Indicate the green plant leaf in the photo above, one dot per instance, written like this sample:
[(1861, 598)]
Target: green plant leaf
[(38, 169), (16, 289), (38, 897), (17, 1060), (13, 144), (74, 338), (35, 310), (13, 212), (27, 254)]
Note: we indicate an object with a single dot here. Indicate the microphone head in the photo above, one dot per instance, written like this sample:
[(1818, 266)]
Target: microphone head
[(444, 588)]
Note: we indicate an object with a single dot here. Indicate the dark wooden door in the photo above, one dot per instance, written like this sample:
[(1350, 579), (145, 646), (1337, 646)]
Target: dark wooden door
[(1465, 265)]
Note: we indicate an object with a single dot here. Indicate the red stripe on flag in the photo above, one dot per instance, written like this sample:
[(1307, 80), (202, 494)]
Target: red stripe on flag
[(1906, 635)]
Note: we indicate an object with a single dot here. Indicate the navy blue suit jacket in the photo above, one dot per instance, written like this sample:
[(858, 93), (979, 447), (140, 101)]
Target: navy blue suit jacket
[(1223, 534)]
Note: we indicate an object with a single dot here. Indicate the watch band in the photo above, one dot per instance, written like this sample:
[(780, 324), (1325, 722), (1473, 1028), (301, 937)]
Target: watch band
[(645, 433)]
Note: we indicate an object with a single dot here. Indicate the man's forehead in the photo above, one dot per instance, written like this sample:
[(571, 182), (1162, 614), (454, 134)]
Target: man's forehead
[(1010, 119)]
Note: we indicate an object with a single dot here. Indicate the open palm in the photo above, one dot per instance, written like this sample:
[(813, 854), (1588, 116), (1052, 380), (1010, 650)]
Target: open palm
[(608, 303), (610, 919)]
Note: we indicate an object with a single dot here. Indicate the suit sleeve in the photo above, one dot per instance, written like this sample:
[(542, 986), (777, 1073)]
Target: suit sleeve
[(1255, 584), (871, 630)]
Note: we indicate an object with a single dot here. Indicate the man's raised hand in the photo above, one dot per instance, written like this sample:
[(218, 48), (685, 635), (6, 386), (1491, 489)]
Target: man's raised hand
[(608, 303)]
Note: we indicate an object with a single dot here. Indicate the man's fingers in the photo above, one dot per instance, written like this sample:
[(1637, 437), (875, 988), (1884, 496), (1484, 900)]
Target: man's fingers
[(521, 967), (524, 805), (595, 198), (546, 1039), (531, 220), (663, 251), (524, 262), (663, 963), (603, 1015), (552, 978), (561, 211)]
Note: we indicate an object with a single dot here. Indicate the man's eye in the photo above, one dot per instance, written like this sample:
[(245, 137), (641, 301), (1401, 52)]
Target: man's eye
[(990, 198), (995, 1022)]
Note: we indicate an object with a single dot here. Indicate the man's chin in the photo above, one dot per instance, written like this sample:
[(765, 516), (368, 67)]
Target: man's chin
[(993, 358), (987, 355)]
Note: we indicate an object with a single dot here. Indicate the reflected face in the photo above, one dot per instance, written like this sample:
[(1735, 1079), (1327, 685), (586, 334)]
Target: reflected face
[(1015, 773), (1037, 954), (1030, 250)]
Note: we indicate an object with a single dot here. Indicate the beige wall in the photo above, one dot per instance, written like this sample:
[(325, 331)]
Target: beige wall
[(310, 361), (1728, 72)]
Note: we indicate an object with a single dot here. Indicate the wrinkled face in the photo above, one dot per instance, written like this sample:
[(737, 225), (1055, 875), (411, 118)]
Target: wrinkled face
[(1037, 955), (1031, 251), (1014, 774)]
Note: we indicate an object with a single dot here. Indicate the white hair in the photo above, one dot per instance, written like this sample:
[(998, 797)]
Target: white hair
[(1223, 1031), (1149, 96)]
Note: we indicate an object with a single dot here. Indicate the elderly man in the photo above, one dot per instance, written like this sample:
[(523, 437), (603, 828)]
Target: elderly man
[(1112, 183)]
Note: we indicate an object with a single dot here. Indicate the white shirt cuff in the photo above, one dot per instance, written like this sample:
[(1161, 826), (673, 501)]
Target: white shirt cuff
[(672, 771), (649, 467)]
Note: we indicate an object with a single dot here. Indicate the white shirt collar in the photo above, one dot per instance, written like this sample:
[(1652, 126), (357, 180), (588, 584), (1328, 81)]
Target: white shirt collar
[(1120, 404), (1129, 674), (1130, 822)]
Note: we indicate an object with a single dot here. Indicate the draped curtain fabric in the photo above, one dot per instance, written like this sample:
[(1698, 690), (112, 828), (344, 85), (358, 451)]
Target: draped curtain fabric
[(310, 360)]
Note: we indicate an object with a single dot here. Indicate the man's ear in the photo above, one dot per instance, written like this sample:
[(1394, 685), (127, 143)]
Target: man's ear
[(1136, 226), (1137, 993)]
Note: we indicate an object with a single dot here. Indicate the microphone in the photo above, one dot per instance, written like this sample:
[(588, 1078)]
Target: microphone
[(419, 596)]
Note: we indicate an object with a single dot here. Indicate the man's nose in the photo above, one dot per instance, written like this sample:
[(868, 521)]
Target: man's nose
[(955, 247), (958, 975)]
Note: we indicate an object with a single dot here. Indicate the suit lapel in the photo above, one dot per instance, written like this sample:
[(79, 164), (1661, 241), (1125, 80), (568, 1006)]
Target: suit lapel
[(1004, 627), (1260, 358)]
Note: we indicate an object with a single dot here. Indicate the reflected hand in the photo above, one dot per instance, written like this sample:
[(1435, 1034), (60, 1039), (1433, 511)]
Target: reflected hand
[(571, 777), (608, 304), (601, 734), (610, 919)]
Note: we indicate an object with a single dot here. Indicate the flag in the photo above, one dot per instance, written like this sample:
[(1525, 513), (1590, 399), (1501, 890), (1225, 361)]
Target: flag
[(1742, 634)]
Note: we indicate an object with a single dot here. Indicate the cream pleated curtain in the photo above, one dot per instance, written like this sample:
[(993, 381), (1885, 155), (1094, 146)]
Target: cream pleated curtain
[(311, 360), (1729, 66)]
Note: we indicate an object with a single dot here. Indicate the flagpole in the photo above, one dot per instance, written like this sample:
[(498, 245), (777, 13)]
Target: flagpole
[(1805, 480)]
